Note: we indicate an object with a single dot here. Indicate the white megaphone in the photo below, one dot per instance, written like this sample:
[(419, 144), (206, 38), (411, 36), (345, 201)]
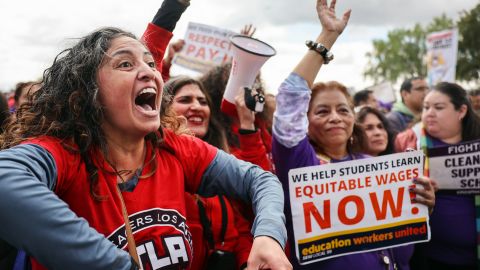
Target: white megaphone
[(249, 54)]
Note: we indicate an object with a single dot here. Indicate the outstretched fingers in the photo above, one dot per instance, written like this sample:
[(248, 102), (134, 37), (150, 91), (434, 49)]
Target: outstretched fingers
[(322, 4), (332, 4), (346, 16)]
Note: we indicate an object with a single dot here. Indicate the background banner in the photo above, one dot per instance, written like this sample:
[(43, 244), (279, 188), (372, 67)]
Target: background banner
[(442, 56), (205, 47)]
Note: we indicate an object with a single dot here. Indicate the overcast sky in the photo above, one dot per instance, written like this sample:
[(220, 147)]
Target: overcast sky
[(32, 33)]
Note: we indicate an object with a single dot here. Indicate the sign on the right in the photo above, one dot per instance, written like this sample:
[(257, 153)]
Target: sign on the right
[(456, 168)]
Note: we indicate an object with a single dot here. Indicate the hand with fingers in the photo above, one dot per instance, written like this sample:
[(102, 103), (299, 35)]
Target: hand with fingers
[(245, 115), (173, 48), (266, 253), (248, 30), (332, 27), (330, 23), (426, 194)]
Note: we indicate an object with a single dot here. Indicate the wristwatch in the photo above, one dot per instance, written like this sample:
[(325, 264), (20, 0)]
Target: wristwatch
[(320, 49)]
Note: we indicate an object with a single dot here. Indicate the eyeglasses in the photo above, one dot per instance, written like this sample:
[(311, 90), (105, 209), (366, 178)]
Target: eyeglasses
[(421, 88)]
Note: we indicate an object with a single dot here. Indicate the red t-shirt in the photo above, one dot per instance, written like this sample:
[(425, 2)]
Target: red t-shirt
[(156, 206)]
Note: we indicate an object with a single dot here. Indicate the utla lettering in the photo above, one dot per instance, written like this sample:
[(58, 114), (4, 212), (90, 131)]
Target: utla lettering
[(175, 254), (323, 217)]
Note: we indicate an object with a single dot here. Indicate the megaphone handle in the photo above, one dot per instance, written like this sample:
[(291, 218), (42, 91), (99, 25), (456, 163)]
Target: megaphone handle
[(249, 99)]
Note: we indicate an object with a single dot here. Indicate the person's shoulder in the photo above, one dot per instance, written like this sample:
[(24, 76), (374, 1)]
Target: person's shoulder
[(391, 115), (171, 137), (53, 143), (185, 142)]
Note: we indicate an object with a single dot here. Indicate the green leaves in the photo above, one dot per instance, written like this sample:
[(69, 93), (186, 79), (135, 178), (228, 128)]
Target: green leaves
[(402, 54), (468, 63)]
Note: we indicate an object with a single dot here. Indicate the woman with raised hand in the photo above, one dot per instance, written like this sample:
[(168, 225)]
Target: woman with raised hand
[(247, 136), (314, 124), (91, 170), (186, 98), (447, 119)]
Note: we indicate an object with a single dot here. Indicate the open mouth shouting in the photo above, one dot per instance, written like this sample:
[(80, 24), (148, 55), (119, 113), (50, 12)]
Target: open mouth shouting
[(146, 101)]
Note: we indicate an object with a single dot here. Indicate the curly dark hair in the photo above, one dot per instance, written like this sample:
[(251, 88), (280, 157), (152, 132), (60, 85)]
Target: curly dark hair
[(4, 111), (215, 82), (66, 106)]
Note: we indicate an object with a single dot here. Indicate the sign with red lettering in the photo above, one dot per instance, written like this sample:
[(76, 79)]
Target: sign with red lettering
[(205, 47), (356, 206), (456, 168)]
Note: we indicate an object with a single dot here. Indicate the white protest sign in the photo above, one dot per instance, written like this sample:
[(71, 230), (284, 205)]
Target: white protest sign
[(205, 47), (442, 56), (456, 168), (383, 91), (356, 206)]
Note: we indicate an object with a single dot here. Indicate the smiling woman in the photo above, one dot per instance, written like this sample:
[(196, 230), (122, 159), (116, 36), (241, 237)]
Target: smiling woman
[(314, 125), (89, 155)]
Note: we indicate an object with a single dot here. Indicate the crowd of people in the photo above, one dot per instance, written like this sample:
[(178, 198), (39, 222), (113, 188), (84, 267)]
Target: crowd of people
[(110, 162)]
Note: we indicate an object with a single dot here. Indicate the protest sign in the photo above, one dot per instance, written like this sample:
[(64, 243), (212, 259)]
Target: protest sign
[(205, 47), (456, 168), (442, 56), (383, 91), (356, 206)]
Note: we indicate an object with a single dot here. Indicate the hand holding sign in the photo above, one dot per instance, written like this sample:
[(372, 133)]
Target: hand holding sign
[(426, 193)]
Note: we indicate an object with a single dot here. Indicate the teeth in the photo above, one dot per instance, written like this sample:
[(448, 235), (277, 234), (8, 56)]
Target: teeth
[(195, 119), (148, 90)]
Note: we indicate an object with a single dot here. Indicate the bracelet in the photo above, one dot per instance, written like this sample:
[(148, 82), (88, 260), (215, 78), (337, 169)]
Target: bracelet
[(242, 131), (320, 49)]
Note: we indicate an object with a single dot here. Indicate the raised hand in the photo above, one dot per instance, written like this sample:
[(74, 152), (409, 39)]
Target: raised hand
[(328, 19), (245, 115), (174, 48), (248, 30)]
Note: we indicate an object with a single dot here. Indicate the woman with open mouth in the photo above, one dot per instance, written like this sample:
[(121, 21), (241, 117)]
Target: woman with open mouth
[(92, 171)]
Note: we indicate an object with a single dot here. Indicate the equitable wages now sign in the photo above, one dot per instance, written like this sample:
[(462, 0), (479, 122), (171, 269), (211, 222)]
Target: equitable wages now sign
[(356, 206), (205, 47), (456, 168)]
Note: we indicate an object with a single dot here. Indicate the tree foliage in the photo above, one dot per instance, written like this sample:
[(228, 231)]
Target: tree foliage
[(402, 54), (468, 64)]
